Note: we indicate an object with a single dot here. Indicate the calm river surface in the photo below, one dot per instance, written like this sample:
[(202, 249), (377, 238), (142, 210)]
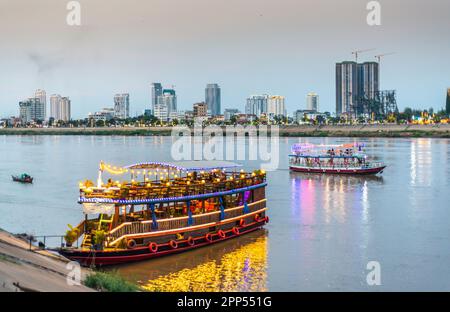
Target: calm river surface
[(323, 230)]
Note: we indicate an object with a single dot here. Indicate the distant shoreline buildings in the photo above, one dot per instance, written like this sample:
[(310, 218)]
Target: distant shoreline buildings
[(270, 106)]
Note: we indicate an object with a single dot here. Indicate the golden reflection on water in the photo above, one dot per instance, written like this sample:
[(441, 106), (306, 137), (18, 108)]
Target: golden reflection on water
[(243, 269)]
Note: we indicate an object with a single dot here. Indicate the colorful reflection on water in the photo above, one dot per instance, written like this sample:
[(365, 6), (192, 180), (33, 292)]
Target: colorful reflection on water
[(335, 196), (237, 265)]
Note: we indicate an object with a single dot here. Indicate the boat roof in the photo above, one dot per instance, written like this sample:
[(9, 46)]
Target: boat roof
[(189, 165)]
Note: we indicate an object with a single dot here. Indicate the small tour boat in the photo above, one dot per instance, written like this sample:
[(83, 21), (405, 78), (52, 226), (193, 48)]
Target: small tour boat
[(165, 208), (333, 159), (23, 178)]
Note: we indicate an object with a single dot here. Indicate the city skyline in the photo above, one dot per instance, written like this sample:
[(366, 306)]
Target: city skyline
[(239, 58)]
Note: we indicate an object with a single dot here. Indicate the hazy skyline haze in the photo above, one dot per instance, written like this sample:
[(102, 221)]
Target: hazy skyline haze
[(282, 47)]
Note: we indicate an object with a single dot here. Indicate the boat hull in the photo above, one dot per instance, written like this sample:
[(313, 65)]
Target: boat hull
[(351, 171), (121, 256), (17, 179)]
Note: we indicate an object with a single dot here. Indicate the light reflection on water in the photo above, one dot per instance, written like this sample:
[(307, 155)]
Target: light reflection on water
[(236, 265), (323, 229)]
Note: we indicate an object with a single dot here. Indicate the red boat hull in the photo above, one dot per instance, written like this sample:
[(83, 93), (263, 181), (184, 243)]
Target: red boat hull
[(103, 258), (338, 170)]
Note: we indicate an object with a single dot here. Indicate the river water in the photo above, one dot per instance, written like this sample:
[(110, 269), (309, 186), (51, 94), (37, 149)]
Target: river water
[(323, 230)]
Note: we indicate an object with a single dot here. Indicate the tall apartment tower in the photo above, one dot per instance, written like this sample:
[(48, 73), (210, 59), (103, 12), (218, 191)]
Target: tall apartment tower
[(60, 108), (65, 110), (168, 98), (31, 110), (276, 106), (122, 106), (353, 82), (42, 96), (256, 105), (156, 90), (312, 102), (368, 79), (212, 98), (346, 86), (55, 106)]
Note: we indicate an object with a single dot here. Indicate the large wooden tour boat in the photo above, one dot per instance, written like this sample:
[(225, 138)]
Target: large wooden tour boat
[(333, 159), (165, 208)]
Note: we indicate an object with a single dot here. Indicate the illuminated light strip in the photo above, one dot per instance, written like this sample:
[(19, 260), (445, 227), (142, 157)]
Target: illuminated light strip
[(168, 165), (82, 200), (184, 218), (185, 229)]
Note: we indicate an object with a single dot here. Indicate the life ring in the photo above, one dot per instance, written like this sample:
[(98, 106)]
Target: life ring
[(190, 241), (235, 231), (221, 234), (241, 222), (266, 219), (153, 247), (173, 244), (208, 237), (131, 244), (256, 217)]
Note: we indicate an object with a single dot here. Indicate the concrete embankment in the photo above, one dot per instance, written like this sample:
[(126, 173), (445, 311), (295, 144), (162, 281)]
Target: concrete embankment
[(35, 270), (388, 130)]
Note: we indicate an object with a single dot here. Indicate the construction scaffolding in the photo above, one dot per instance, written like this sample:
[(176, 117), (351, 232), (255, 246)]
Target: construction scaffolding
[(378, 104)]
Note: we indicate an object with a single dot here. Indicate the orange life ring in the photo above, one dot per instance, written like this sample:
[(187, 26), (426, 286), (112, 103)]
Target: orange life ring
[(153, 247), (131, 244), (208, 237), (190, 241), (235, 231), (241, 222), (221, 234), (256, 217), (173, 244)]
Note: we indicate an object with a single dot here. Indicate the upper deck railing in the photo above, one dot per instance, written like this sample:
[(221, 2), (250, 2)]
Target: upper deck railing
[(181, 223)]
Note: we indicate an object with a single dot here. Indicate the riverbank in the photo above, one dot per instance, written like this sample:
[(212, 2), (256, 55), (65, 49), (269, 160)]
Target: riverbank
[(390, 130), (33, 271)]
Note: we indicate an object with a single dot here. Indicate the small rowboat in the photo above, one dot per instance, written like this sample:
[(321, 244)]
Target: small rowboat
[(23, 178)]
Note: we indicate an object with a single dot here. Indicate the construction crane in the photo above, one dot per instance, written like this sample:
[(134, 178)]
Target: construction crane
[(378, 57), (356, 53)]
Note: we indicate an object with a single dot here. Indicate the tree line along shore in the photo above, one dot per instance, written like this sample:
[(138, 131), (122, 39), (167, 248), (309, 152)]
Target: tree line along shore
[(382, 130)]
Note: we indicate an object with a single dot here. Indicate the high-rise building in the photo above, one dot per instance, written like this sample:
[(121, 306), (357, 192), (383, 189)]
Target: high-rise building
[(122, 106), (169, 99), (276, 106), (354, 82), (42, 96), (60, 107), (31, 110), (65, 112), (156, 89), (212, 98), (312, 102), (55, 106), (447, 106), (256, 105), (368, 79), (200, 109), (346, 86), (160, 111)]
